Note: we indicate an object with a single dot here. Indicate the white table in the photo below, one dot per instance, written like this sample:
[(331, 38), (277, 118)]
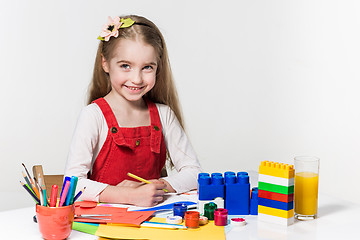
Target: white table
[(337, 220)]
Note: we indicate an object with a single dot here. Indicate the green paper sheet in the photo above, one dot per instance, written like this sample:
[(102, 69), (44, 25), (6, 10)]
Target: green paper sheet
[(90, 228)]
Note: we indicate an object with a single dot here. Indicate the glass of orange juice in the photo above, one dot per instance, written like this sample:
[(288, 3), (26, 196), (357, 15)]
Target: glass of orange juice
[(306, 187)]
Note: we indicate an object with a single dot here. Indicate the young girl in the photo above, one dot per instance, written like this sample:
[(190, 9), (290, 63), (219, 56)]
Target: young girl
[(133, 121)]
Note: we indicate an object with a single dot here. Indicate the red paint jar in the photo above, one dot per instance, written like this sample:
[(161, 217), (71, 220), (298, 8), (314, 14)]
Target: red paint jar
[(55, 222), (192, 219), (221, 216)]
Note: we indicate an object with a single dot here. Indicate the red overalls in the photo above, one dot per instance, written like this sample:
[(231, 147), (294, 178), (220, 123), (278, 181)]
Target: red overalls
[(138, 150)]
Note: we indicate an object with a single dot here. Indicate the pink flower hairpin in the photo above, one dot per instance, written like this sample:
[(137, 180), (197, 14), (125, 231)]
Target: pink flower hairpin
[(111, 29)]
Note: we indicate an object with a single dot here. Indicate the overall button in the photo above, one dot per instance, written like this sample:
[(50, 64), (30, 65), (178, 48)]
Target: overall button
[(113, 130), (156, 128), (137, 143)]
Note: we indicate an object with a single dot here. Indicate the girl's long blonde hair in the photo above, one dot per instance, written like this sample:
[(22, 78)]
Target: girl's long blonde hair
[(164, 90)]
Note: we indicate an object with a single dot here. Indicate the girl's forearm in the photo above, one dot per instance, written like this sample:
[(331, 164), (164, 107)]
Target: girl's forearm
[(115, 194)]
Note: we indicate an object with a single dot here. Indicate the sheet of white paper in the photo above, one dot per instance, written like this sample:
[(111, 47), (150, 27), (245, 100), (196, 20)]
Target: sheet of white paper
[(169, 198)]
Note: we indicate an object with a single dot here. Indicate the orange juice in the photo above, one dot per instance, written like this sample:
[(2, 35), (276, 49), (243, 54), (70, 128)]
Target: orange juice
[(306, 193)]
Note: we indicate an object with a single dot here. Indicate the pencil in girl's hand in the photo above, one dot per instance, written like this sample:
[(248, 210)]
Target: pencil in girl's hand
[(138, 178), (30, 192), (142, 180)]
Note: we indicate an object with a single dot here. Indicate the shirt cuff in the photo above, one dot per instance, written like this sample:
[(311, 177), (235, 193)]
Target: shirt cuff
[(184, 181), (92, 191)]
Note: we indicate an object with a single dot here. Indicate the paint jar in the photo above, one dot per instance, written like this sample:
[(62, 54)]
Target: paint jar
[(237, 222), (220, 216), (55, 222), (179, 209), (209, 209), (203, 220), (192, 219)]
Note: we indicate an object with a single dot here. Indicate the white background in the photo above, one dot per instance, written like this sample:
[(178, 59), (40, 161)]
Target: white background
[(257, 80)]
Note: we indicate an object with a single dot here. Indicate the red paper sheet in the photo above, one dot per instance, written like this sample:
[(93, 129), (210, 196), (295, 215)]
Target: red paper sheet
[(119, 215)]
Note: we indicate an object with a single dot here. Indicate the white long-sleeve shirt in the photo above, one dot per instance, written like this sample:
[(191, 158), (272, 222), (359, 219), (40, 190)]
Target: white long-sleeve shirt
[(91, 132)]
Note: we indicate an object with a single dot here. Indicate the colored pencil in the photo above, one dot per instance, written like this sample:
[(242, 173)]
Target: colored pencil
[(142, 180), (31, 185), (32, 181), (28, 174), (26, 179), (35, 189), (79, 193), (30, 192)]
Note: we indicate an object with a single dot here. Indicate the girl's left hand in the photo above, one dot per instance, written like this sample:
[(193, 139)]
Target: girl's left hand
[(168, 186)]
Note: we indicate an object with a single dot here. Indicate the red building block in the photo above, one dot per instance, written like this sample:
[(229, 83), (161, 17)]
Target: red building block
[(276, 196)]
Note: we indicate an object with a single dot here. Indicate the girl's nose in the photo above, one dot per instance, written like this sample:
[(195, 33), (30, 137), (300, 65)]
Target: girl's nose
[(137, 78)]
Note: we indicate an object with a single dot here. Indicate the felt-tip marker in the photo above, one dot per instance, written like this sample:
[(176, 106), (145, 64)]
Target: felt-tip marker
[(65, 192), (53, 196)]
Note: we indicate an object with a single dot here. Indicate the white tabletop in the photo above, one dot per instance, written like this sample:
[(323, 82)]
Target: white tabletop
[(336, 220)]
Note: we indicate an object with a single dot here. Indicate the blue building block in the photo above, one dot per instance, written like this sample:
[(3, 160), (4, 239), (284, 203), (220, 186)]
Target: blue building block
[(212, 187), (276, 204), (237, 193), (254, 201)]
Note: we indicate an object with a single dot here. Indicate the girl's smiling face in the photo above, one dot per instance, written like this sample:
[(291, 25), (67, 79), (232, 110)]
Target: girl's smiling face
[(132, 69)]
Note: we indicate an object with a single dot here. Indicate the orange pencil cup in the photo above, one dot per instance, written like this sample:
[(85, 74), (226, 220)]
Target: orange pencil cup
[(55, 222)]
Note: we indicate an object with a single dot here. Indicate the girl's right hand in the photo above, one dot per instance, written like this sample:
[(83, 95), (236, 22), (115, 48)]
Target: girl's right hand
[(147, 195), (139, 194)]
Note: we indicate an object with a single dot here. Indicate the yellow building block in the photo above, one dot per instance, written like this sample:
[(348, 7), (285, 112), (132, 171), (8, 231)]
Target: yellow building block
[(277, 169), (275, 212)]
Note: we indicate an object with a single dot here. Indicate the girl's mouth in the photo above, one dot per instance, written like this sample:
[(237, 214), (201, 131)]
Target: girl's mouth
[(134, 88)]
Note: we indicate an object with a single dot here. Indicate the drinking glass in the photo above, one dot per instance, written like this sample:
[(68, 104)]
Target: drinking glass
[(306, 187)]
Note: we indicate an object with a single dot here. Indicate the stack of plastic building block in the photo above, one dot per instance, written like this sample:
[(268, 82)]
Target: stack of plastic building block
[(231, 191), (210, 189), (276, 193), (237, 193)]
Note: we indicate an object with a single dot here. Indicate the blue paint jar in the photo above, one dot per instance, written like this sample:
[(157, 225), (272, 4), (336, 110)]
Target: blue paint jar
[(179, 209)]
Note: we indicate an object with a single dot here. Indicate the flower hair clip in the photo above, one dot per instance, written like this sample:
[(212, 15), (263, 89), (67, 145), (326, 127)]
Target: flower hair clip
[(112, 27)]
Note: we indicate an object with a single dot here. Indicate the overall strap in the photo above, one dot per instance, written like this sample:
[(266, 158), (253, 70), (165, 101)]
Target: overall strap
[(111, 121), (156, 133)]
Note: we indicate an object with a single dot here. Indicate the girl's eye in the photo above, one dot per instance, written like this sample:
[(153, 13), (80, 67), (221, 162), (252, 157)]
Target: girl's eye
[(148, 68), (125, 66)]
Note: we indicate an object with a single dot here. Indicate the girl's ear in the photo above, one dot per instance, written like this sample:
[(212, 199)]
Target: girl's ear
[(105, 64)]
